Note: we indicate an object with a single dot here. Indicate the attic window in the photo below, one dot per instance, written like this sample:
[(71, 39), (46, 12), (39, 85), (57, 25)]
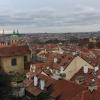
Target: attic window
[(13, 62)]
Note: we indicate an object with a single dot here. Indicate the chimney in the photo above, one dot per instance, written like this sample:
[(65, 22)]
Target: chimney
[(6, 43), (56, 72), (47, 67), (31, 68), (55, 60), (42, 84), (51, 70), (61, 69), (45, 51), (96, 68), (73, 53), (85, 69), (35, 80), (34, 68), (28, 76)]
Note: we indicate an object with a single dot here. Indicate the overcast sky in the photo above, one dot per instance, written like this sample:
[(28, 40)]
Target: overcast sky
[(50, 15)]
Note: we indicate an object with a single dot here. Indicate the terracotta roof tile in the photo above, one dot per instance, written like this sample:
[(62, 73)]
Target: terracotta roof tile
[(65, 90), (14, 51), (33, 90)]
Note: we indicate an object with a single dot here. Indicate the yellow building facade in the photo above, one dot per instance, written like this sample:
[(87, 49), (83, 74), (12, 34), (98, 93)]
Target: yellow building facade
[(7, 66), (15, 60)]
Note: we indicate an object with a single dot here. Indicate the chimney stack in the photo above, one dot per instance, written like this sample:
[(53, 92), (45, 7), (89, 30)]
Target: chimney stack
[(85, 69), (96, 68), (55, 60), (34, 68), (42, 84), (31, 68), (28, 76), (35, 80), (61, 69)]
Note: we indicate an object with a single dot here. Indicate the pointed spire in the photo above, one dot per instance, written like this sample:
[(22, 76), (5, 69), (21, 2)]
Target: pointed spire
[(17, 31), (14, 32), (3, 32)]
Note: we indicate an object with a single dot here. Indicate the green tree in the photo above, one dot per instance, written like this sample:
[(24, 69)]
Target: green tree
[(4, 84)]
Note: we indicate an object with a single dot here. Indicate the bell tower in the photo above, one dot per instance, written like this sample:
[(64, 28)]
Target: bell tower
[(15, 37)]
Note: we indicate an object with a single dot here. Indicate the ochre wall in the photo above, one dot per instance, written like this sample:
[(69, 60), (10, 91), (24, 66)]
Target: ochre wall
[(19, 67)]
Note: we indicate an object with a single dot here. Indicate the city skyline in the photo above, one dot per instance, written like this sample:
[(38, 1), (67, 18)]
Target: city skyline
[(49, 15)]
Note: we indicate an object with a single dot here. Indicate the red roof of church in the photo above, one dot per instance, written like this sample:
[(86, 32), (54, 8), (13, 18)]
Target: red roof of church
[(14, 51)]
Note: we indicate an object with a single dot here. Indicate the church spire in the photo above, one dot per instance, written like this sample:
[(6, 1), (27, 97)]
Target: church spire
[(17, 31), (3, 32), (14, 32)]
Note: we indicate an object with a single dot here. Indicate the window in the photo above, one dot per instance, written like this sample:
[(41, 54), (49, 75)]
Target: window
[(25, 58), (13, 62)]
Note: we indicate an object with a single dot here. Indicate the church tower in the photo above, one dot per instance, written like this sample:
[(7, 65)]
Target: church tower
[(15, 37)]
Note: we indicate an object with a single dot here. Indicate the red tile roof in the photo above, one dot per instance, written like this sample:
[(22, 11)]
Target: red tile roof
[(28, 84), (83, 95), (33, 90), (14, 51), (65, 90)]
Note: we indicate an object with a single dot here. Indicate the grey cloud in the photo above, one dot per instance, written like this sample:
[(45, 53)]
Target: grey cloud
[(50, 17)]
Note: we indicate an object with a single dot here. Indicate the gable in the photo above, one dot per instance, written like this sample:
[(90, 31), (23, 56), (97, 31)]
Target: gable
[(76, 64)]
